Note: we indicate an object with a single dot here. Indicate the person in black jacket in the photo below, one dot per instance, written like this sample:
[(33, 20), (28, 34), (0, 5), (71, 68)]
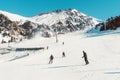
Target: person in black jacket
[(47, 47), (62, 43), (85, 57), (63, 54), (51, 59)]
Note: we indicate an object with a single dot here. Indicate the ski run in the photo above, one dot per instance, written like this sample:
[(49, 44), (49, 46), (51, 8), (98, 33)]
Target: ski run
[(103, 55)]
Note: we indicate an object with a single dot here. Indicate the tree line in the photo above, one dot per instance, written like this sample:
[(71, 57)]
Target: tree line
[(110, 24)]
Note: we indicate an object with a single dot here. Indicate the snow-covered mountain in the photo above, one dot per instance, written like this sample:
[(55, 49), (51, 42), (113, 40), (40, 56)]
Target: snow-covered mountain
[(63, 20), (13, 17), (10, 30), (72, 15), (60, 21), (13, 27)]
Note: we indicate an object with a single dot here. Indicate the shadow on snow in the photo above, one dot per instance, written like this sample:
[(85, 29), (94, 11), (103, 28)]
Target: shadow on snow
[(102, 33), (112, 73), (53, 67)]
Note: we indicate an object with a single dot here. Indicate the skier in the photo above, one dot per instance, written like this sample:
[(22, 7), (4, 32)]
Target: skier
[(85, 57), (51, 59), (62, 43), (63, 54), (47, 47)]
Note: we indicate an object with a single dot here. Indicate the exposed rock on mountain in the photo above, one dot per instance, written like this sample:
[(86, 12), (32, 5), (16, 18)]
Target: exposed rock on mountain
[(17, 28)]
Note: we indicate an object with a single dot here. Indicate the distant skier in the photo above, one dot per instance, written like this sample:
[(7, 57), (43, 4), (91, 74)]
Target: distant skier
[(62, 43), (63, 54), (27, 54), (47, 48), (51, 59), (85, 57)]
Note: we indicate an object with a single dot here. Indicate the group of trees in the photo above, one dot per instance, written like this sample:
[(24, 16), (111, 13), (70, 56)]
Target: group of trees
[(110, 24)]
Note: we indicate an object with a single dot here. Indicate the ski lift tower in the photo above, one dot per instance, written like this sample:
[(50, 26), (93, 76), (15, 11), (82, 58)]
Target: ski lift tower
[(56, 35), (105, 24)]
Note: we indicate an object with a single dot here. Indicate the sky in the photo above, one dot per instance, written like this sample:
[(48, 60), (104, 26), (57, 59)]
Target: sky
[(101, 9)]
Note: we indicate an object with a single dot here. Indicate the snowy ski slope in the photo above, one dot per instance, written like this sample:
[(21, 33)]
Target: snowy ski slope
[(103, 54)]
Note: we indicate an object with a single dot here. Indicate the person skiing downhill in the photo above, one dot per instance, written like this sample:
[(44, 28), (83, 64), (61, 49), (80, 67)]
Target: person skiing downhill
[(85, 57), (47, 47), (51, 59), (63, 54), (62, 43)]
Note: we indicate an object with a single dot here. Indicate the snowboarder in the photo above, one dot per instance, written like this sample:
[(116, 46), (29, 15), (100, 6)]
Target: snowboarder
[(51, 59), (63, 54), (85, 57)]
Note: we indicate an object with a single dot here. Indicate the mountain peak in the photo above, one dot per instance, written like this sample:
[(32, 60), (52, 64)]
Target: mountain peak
[(72, 15), (12, 17), (62, 21)]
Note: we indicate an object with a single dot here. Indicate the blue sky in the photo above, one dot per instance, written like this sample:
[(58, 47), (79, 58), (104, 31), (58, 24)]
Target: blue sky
[(100, 9)]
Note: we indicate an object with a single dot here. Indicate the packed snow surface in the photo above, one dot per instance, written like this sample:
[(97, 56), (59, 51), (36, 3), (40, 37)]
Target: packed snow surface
[(103, 54)]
